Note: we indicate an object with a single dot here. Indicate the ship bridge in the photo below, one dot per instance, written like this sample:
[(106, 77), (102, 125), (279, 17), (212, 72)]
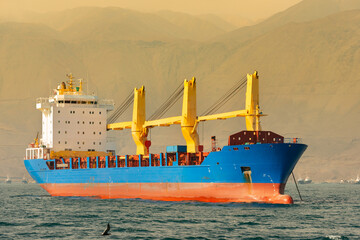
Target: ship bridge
[(189, 119), (72, 94), (73, 122)]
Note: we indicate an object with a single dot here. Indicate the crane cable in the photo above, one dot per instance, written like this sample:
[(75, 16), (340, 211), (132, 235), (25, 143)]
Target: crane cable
[(226, 97), (168, 103), (122, 108)]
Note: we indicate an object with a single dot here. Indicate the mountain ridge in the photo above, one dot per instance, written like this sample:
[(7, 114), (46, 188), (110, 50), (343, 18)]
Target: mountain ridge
[(308, 73)]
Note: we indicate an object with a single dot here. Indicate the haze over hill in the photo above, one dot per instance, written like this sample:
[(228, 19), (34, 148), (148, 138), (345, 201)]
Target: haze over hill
[(307, 61)]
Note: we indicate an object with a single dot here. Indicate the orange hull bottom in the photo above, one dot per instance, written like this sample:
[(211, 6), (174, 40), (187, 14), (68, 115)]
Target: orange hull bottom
[(203, 192)]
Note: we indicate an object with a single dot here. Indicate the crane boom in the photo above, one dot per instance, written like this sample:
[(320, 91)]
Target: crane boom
[(189, 119)]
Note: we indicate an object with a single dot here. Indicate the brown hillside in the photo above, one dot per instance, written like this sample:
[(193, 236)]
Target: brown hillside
[(309, 81)]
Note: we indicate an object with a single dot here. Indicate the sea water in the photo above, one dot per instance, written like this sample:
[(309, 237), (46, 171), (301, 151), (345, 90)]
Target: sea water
[(328, 211)]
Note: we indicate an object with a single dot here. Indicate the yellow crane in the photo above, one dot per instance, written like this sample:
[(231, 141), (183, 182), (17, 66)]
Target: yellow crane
[(189, 119)]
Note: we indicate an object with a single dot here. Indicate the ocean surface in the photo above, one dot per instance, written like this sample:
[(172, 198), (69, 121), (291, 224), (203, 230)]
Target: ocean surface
[(329, 211)]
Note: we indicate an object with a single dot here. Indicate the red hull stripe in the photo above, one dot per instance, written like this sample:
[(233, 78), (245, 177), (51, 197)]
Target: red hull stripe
[(204, 192)]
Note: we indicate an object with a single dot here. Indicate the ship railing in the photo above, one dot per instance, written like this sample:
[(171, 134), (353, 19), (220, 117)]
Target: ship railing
[(293, 140), (106, 102), (37, 153), (42, 100), (42, 103), (123, 161)]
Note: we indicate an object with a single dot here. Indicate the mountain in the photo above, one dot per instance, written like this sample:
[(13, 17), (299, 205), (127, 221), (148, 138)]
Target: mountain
[(110, 23), (309, 83), (304, 11)]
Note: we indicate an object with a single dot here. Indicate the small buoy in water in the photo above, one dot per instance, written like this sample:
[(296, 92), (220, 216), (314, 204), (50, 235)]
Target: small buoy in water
[(107, 230)]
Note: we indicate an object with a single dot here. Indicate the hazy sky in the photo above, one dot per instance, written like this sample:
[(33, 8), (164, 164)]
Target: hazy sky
[(250, 9)]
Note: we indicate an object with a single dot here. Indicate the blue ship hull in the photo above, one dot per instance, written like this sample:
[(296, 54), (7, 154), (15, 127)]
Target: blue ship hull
[(237, 173)]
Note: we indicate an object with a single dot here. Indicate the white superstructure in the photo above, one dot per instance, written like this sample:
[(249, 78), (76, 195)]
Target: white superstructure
[(73, 120)]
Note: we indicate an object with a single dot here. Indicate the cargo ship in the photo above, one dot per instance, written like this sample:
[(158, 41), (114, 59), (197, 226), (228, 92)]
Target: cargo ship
[(74, 156)]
